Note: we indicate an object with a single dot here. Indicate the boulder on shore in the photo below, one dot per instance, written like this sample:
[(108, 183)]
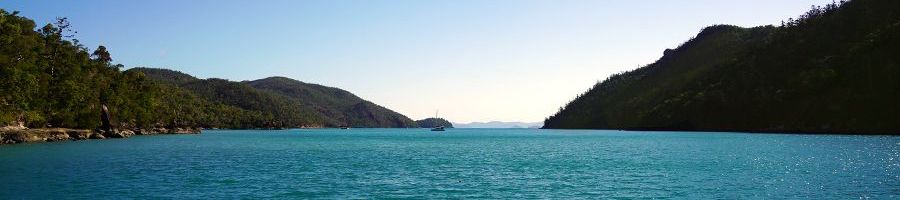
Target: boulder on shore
[(97, 136), (115, 133)]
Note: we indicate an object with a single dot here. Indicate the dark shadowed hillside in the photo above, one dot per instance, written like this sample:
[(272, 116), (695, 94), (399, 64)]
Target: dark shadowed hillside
[(284, 102), (836, 69)]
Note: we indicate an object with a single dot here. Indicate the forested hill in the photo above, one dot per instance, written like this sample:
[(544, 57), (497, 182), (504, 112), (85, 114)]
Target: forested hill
[(338, 107), (48, 79), (288, 101), (835, 69)]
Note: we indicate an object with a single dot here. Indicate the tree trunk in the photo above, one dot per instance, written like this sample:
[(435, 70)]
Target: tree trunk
[(104, 117)]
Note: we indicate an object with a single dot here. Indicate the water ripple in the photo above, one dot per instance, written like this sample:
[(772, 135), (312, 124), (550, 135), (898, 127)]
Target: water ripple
[(461, 163)]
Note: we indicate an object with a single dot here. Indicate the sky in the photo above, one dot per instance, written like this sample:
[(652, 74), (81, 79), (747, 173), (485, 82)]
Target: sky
[(482, 60)]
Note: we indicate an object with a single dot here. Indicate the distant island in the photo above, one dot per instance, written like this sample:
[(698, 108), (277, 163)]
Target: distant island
[(53, 88), (434, 122), (835, 69), (499, 124)]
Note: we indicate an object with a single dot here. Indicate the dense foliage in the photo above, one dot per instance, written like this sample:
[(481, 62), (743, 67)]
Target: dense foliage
[(835, 69), (337, 107), (284, 102), (48, 79), (434, 122)]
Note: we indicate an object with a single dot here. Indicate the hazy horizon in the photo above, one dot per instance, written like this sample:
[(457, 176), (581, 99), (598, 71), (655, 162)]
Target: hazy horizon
[(475, 61)]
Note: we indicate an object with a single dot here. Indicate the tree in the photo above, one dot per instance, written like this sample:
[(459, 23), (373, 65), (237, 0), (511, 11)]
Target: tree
[(101, 55)]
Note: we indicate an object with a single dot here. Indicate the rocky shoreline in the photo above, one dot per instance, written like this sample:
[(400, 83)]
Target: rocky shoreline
[(9, 135)]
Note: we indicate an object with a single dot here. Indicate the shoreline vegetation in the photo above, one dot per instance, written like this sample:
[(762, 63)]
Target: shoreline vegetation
[(833, 70), (52, 88)]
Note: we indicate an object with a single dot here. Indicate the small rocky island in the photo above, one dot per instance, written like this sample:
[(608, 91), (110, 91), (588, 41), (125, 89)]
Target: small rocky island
[(434, 122)]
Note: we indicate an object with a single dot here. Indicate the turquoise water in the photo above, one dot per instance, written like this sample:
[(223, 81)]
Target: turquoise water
[(458, 163)]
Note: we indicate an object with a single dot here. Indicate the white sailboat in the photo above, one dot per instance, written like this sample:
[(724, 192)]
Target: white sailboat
[(436, 126)]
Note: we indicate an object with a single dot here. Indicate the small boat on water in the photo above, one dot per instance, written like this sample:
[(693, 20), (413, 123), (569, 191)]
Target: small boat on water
[(344, 127), (436, 126)]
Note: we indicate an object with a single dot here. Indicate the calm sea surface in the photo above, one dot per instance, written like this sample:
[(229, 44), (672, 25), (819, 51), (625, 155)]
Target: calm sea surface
[(458, 163)]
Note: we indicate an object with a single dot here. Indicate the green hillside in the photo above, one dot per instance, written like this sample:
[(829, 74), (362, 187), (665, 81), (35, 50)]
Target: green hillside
[(337, 107), (48, 79), (835, 69), (284, 102), (265, 109)]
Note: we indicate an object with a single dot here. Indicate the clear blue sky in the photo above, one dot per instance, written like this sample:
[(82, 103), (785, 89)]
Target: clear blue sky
[(508, 60)]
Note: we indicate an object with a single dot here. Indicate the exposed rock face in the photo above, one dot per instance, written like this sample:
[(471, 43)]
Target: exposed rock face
[(15, 136), (82, 135), (113, 133), (43, 135), (97, 136), (15, 127)]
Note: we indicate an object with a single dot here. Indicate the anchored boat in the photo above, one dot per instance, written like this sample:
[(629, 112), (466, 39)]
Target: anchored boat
[(436, 126)]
